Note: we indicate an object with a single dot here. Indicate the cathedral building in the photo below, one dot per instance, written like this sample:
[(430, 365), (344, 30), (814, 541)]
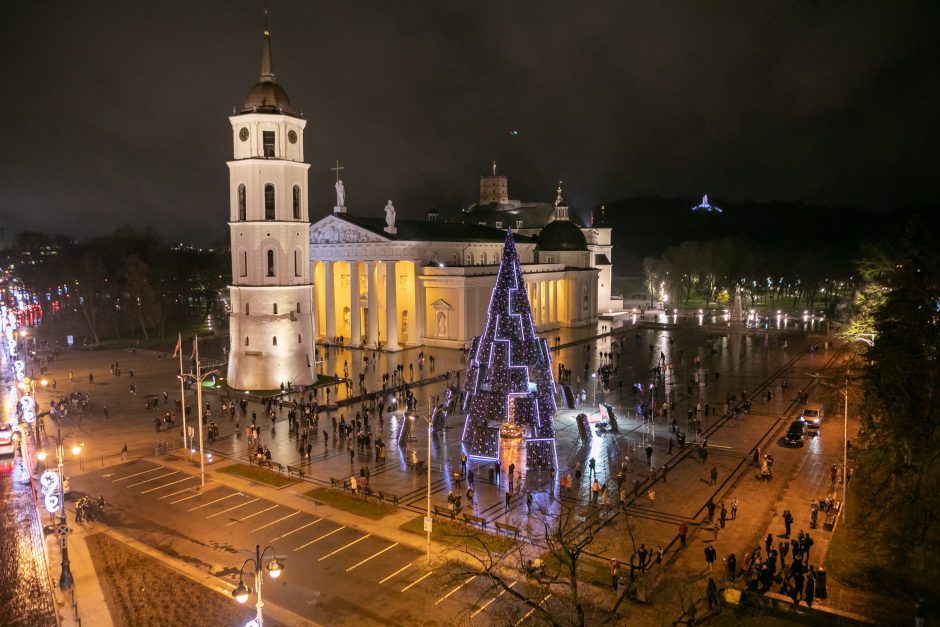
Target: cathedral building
[(397, 283)]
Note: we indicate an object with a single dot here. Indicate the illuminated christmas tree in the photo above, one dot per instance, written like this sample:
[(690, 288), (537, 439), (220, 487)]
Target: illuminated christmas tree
[(509, 389)]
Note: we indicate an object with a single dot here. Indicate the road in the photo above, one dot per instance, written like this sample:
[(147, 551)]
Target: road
[(26, 596)]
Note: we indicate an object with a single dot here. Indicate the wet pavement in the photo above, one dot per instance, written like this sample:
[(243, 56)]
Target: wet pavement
[(26, 593)]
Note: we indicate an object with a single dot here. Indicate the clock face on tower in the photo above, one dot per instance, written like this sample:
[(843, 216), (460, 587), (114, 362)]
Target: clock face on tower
[(292, 137), (243, 134)]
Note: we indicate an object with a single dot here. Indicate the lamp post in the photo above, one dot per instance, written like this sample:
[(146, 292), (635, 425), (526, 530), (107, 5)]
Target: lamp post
[(242, 592), (845, 446), (427, 518), (199, 377), (65, 578), (594, 392)]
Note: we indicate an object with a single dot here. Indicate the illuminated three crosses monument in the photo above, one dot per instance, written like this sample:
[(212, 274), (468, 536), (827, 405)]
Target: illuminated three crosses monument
[(509, 391)]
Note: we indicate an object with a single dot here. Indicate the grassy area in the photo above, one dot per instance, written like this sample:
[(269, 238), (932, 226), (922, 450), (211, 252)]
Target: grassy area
[(460, 535), (261, 475), (351, 503), (140, 590)]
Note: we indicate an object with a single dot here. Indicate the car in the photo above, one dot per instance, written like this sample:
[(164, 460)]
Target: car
[(796, 433), (812, 414), (7, 441)]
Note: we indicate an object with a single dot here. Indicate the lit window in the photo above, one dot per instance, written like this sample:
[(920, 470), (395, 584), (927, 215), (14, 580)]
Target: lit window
[(499, 224), (268, 202), (518, 224), (268, 142)]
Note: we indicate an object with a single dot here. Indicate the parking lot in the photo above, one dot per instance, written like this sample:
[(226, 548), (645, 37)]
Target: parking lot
[(335, 574)]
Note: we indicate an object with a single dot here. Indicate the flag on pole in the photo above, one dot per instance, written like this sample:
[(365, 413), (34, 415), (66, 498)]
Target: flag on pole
[(179, 344)]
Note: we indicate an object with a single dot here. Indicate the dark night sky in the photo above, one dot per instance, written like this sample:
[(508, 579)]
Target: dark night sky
[(117, 111)]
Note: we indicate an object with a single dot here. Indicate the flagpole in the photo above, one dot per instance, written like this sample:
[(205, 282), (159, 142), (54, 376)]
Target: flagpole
[(179, 349), (202, 456)]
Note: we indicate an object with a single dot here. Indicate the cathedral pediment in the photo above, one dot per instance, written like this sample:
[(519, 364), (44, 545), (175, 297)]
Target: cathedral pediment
[(331, 230)]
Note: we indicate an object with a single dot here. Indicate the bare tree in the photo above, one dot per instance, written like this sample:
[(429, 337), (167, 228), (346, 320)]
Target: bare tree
[(550, 563)]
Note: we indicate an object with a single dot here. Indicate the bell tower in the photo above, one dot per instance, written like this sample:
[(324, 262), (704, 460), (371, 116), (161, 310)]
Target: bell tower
[(271, 323)]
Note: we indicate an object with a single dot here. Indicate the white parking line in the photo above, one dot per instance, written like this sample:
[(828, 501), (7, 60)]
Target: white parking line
[(296, 530), (529, 613), (320, 538), (225, 511), (273, 523), (455, 590), (211, 502), (186, 498), (251, 515), (388, 548), (138, 473), (418, 580), (487, 604), (160, 487), (368, 535), (169, 474), (408, 565), (172, 494)]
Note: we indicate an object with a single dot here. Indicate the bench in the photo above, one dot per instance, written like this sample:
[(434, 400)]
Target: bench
[(344, 483), (446, 511), (386, 496), (510, 529), (292, 469), (471, 520)]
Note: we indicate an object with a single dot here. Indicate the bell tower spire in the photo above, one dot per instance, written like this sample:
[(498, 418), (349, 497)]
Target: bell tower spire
[(267, 68)]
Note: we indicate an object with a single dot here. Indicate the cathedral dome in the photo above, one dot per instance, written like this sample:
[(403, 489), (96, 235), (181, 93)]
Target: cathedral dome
[(561, 235), (267, 97)]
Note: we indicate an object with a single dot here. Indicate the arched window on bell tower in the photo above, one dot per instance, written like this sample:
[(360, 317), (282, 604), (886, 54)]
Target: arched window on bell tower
[(242, 203), (269, 202), (270, 263), (297, 202)]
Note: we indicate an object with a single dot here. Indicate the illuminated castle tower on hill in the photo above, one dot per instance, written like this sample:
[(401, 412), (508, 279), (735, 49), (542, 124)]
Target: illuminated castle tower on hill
[(510, 392)]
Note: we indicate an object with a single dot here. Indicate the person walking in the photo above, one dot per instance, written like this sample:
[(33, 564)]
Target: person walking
[(809, 592), (710, 505), (614, 572), (714, 476), (787, 521), (734, 507), (683, 533), (723, 515), (652, 496), (768, 542), (712, 593), (710, 555), (649, 455), (124, 452)]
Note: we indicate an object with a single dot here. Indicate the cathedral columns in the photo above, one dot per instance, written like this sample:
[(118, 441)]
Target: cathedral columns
[(372, 333), (330, 300), (551, 301), (391, 307), (355, 329), (420, 307)]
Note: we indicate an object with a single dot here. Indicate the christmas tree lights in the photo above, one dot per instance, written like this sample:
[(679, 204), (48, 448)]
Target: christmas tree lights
[(509, 389)]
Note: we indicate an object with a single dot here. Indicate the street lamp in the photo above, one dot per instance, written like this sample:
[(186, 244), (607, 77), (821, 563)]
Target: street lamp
[(65, 578), (594, 393), (274, 568), (199, 377), (427, 519)]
